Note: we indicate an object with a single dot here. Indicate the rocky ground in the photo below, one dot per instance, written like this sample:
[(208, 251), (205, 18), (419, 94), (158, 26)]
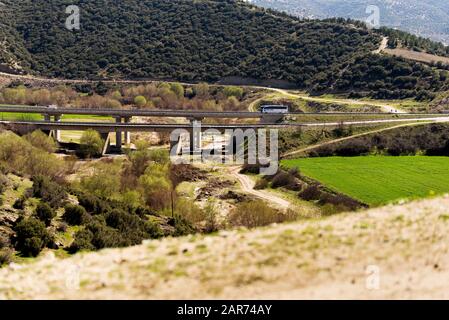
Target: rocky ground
[(393, 252)]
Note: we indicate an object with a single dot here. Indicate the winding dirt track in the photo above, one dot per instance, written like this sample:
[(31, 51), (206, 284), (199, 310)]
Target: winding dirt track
[(248, 187)]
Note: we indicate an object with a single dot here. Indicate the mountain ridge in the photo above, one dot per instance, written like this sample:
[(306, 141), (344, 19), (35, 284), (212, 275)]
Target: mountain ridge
[(206, 40)]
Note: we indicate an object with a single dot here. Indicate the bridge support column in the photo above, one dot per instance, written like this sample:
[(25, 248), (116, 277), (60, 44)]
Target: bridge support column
[(107, 143), (127, 133), (196, 138), (176, 146), (118, 134), (57, 132)]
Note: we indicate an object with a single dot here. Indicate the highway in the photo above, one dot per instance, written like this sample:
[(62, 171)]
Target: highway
[(175, 113), (142, 127)]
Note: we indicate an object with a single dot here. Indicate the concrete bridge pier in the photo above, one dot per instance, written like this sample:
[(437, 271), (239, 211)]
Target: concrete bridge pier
[(118, 134), (57, 133), (127, 133), (196, 136), (176, 146), (107, 143)]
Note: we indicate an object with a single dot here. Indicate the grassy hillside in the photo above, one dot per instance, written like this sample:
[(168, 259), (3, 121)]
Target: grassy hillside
[(318, 259), (378, 180), (207, 41)]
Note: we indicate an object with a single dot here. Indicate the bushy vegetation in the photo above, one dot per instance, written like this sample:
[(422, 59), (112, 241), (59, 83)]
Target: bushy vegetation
[(32, 237), (49, 191), (91, 144), (42, 141), (75, 215), (121, 202), (385, 77), (397, 37), (429, 140), (258, 214), (292, 180), (19, 156), (116, 228), (45, 213), (234, 39), (154, 95)]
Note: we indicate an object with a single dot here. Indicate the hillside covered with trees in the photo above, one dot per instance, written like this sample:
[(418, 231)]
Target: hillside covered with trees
[(205, 41)]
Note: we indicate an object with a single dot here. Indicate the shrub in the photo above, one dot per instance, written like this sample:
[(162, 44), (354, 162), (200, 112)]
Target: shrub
[(294, 172), (62, 227), (31, 237), (45, 213), (178, 89), (352, 149), (93, 204), (211, 213), (19, 204), (4, 181), (105, 180), (311, 192), (75, 215), (91, 144), (49, 191), (189, 211), (256, 214), (4, 242), (250, 168), (339, 201), (231, 91), (261, 184), (17, 155), (83, 241), (156, 186), (5, 256), (153, 230), (42, 141), (104, 236), (182, 226), (116, 228), (282, 179), (140, 101)]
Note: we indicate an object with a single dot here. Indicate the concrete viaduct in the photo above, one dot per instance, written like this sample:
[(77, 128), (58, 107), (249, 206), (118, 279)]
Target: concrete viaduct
[(52, 120)]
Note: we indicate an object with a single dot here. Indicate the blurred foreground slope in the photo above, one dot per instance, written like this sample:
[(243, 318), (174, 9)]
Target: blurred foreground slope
[(325, 258)]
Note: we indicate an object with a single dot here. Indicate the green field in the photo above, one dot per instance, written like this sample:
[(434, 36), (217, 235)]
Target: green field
[(377, 180), (11, 116)]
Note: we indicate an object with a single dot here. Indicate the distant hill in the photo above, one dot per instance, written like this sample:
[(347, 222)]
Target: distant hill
[(205, 40), (429, 19)]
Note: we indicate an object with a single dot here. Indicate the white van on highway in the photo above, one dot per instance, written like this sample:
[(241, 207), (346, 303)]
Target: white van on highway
[(274, 109)]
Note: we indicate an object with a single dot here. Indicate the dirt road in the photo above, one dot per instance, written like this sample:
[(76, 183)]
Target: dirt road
[(385, 107), (383, 45), (247, 185)]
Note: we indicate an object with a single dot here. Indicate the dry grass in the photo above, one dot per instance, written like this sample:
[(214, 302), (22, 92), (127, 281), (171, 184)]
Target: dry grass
[(325, 258), (416, 56)]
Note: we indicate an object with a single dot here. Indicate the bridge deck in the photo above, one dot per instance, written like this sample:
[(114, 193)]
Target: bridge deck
[(141, 127)]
